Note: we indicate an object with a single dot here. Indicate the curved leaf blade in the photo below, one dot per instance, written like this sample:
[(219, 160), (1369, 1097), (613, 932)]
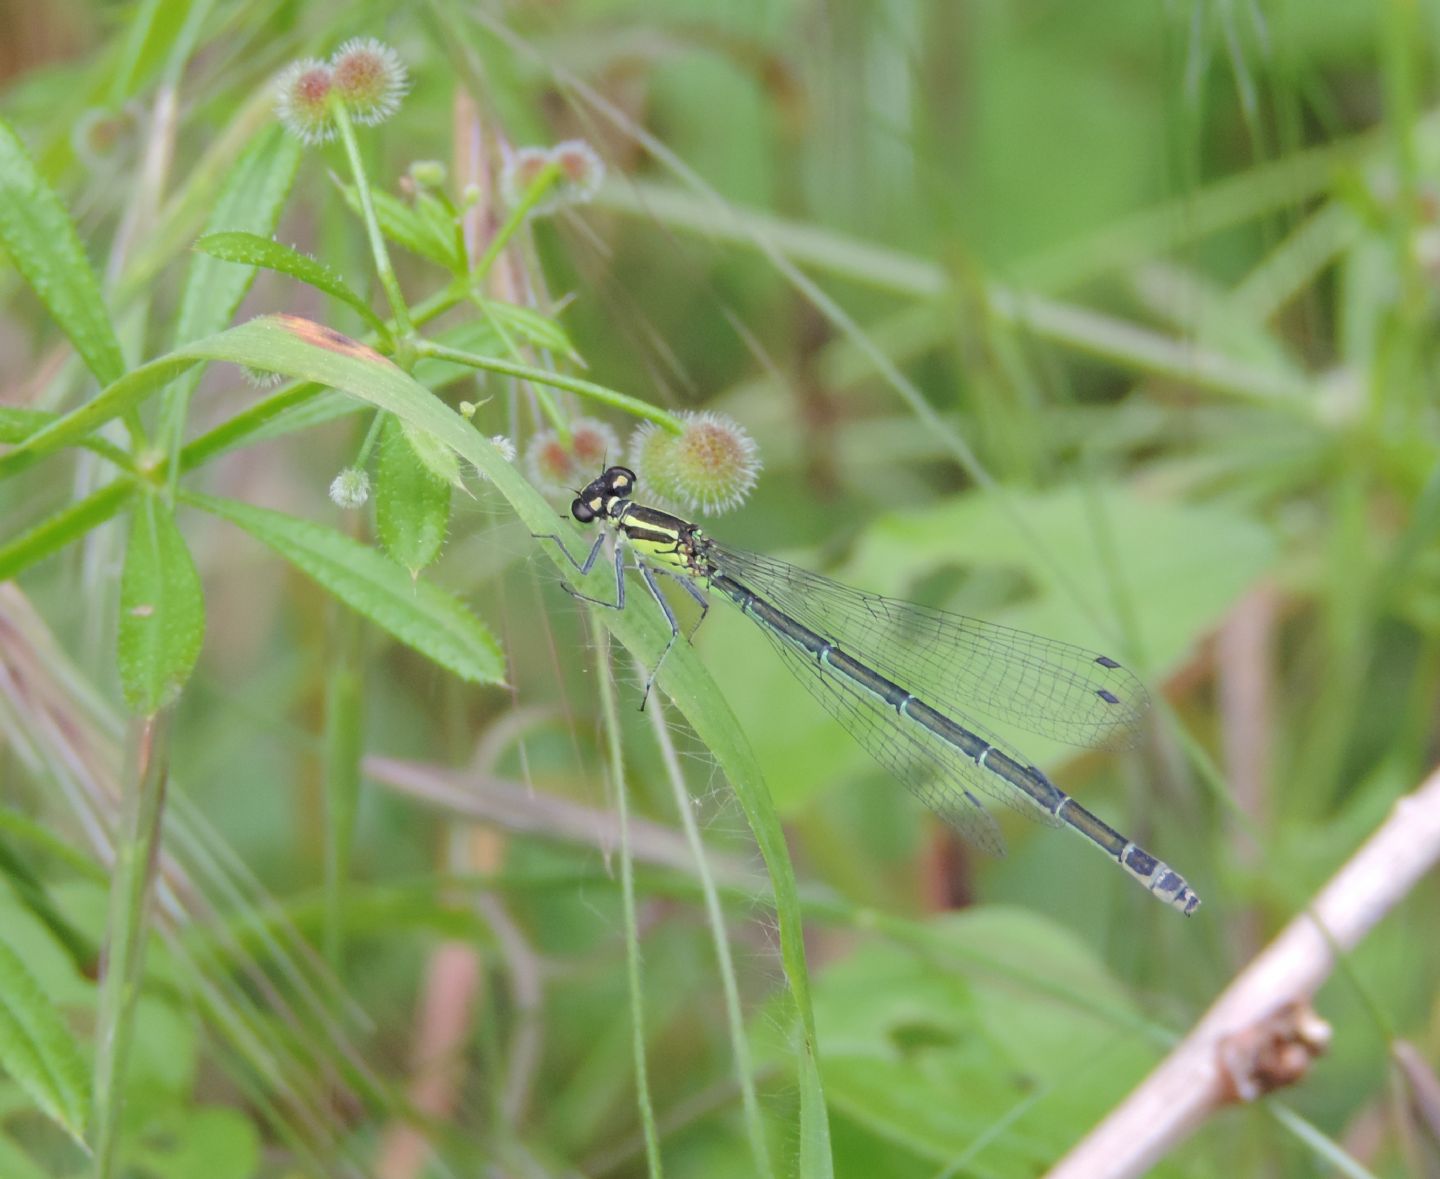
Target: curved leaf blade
[(250, 249), (422, 616)]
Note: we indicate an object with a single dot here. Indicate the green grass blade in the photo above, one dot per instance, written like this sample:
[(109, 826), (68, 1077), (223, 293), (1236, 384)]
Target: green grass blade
[(634, 975)]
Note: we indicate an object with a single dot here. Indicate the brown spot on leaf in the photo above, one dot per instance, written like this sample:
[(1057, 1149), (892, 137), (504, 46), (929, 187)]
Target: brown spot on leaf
[(326, 337)]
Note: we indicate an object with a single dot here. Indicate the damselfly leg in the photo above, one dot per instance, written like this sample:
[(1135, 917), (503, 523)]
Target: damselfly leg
[(648, 574)]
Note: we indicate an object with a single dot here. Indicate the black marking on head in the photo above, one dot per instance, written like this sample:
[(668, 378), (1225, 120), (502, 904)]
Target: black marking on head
[(1106, 661), (1107, 696), (619, 480)]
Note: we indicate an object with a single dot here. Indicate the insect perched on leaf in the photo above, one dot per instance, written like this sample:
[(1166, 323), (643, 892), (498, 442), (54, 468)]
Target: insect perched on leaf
[(901, 678)]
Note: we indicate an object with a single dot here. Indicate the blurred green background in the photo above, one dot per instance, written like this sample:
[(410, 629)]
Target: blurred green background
[(1112, 321)]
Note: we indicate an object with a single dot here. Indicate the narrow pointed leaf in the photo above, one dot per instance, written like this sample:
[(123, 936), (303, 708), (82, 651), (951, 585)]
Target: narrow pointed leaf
[(405, 227), (253, 250), (422, 616), (40, 238), (530, 326), (437, 458), (37, 1049), (251, 197), (162, 610), (17, 424), (412, 503), (129, 391)]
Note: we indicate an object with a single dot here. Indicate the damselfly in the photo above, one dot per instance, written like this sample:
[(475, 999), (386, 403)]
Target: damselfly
[(901, 678)]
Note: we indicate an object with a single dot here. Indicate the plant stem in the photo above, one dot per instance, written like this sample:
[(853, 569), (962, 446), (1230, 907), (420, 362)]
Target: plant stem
[(136, 847), (541, 376), (715, 915), (344, 731), (611, 722), (542, 184), (69, 524), (384, 271)]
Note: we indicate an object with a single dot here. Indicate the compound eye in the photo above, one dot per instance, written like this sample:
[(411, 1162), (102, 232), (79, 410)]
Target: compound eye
[(583, 511)]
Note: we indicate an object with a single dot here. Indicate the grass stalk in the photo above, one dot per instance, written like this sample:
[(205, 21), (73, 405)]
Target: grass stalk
[(136, 849), (715, 917), (611, 721)]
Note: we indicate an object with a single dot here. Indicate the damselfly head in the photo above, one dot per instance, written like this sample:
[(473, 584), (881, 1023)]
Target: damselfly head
[(602, 496)]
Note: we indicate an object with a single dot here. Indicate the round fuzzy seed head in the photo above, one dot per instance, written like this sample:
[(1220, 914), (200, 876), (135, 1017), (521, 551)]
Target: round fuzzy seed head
[(302, 100), (558, 469), (520, 169), (712, 463), (350, 488), (581, 170), (652, 454), (99, 134), (369, 79), (593, 444), (506, 449)]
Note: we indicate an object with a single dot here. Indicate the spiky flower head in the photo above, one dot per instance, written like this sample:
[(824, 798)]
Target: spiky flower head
[(260, 378), (350, 488), (302, 100), (709, 467), (506, 449), (370, 79), (581, 170), (98, 135), (650, 450), (521, 168), (556, 468)]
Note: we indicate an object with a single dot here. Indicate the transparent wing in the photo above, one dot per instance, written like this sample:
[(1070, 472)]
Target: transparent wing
[(939, 775), (957, 664)]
